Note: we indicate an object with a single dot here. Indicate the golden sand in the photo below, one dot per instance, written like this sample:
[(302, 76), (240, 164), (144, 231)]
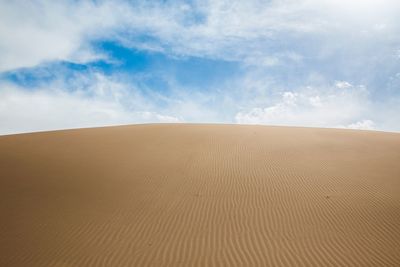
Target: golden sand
[(200, 195)]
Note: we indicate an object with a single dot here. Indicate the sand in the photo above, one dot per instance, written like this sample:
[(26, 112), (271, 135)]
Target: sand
[(200, 195)]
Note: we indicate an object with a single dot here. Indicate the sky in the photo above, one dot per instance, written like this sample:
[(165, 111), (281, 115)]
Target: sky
[(314, 63)]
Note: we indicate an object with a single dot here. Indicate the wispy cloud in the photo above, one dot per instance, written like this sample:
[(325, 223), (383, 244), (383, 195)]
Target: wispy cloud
[(323, 107), (47, 30), (55, 106), (37, 31)]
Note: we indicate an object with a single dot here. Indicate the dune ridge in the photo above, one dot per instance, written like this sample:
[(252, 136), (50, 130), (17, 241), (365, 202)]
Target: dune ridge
[(200, 195)]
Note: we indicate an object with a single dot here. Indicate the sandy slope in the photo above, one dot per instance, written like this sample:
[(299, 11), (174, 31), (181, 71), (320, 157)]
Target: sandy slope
[(200, 195)]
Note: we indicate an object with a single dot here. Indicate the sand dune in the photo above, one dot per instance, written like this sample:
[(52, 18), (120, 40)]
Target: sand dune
[(200, 195)]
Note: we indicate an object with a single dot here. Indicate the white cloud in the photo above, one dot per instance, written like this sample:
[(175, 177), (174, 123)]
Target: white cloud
[(326, 107), (362, 125), (32, 32), (251, 30), (55, 107), (92, 99), (343, 84), (36, 31)]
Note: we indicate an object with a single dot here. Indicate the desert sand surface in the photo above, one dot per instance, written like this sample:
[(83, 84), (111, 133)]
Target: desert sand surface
[(200, 195)]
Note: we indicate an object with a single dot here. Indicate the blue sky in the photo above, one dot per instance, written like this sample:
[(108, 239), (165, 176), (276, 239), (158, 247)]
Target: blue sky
[(317, 63)]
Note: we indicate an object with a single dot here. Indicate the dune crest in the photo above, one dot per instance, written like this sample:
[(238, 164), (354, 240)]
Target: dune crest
[(200, 195)]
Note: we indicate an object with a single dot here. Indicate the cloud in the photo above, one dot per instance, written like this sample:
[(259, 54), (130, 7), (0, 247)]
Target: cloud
[(361, 125), (38, 31), (330, 107), (74, 99), (55, 107), (264, 30), (32, 32), (343, 84), (94, 99)]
